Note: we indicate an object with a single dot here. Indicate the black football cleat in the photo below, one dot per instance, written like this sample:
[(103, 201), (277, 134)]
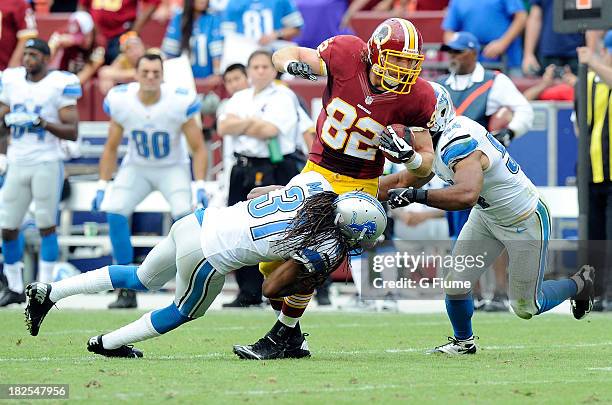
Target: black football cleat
[(266, 348), (297, 347), (126, 299), (38, 306), (9, 297), (94, 345), (582, 302), (281, 342)]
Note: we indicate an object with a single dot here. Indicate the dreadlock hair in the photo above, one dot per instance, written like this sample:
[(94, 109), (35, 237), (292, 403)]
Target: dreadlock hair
[(314, 228)]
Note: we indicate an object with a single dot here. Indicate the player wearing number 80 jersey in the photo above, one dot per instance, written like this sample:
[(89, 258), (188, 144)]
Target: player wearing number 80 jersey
[(153, 132), (152, 116)]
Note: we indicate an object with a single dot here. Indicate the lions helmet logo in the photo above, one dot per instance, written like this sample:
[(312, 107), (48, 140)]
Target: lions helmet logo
[(366, 229)]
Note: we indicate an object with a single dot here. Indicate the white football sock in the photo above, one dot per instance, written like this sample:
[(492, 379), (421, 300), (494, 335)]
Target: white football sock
[(140, 329), (287, 320), (14, 276), (45, 271), (89, 282)]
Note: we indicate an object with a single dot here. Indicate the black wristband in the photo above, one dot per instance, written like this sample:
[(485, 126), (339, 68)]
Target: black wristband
[(419, 196)]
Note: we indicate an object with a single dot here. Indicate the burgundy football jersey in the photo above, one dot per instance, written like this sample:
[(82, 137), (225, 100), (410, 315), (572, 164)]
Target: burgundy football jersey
[(354, 114), (113, 17), (17, 21)]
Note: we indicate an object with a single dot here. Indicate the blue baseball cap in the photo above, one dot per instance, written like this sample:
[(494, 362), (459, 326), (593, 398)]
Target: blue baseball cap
[(462, 41), (608, 41)]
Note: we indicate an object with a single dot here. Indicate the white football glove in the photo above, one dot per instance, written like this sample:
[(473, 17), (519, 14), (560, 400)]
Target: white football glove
[(21, 119)]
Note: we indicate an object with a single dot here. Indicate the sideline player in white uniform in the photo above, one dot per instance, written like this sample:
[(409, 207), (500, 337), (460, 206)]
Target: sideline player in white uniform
[(39, 107), (152, 115), (508, 214), (305, 223)]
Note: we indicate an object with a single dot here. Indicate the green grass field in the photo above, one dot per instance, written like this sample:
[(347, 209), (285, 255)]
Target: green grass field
[(357, 358)]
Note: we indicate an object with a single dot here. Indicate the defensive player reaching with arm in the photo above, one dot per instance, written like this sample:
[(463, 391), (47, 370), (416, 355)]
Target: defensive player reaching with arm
[(508, 213), (39, 108), (152, 115), (369, 86), (305, 223)]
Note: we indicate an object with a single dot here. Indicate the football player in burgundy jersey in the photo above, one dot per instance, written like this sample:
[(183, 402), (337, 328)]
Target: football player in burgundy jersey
[(369, 86)]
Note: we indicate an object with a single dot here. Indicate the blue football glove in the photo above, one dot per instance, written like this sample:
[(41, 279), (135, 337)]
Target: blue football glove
[(96, 203), (21, 119), (201, 197), (1, 180)]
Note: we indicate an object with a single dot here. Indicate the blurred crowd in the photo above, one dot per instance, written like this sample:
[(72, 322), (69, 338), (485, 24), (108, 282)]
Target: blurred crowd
[(101, 39)]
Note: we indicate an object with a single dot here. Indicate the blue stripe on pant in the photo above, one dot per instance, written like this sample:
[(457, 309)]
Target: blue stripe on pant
[(550, 293), (196, 294), (543, 216)]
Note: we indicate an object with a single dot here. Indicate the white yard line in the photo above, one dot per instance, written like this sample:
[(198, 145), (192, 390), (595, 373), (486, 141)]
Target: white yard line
[(321, 352)]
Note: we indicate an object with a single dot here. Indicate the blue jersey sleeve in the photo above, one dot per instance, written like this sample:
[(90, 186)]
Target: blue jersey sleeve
[(215, 43), (72, 90), (171, 45), (514, 6), (194, 107), (115, 94), (289, 16), (231, 20), (452, 21), (458, 148)]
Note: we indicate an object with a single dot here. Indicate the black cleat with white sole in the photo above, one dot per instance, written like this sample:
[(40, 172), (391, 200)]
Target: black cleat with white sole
[(455, 347), (281, 342), (266, 348), (297, 346), (95, 345), (38, 305), (582, 302)]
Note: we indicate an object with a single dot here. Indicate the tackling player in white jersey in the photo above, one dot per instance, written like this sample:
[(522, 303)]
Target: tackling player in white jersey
[(304, 223), (39, 108), (508, 213), (152, 115)]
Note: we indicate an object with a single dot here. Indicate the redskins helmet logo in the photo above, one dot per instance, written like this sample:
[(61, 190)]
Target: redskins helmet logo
[(382, 34)]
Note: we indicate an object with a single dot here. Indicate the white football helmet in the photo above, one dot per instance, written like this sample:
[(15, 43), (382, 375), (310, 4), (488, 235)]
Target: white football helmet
[(360, 217), (445, 111)]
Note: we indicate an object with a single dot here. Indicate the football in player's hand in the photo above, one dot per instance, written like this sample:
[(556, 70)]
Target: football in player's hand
[(403, 132), (500, 119)]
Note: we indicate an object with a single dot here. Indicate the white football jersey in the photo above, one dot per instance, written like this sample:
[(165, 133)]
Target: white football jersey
[(507, 195), (45, 98), (153, 131), (246, 233)]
